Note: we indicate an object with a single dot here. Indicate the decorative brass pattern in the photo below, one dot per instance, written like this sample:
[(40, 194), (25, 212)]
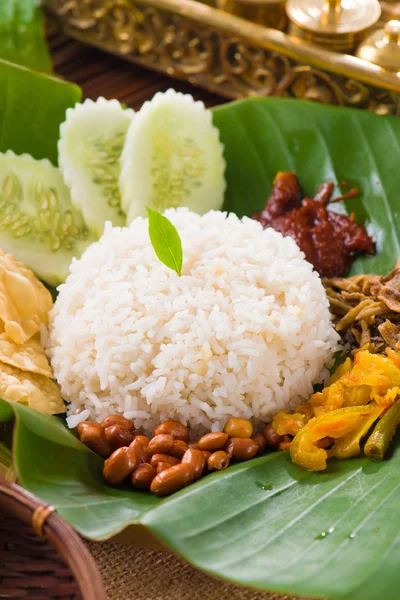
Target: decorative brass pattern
[(171, 40)]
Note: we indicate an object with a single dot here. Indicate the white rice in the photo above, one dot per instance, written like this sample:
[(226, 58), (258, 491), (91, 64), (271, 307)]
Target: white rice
[(245, 331)]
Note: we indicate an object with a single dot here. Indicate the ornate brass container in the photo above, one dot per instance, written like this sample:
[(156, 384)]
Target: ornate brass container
[(335, 24), (383, 47), (225, 53)]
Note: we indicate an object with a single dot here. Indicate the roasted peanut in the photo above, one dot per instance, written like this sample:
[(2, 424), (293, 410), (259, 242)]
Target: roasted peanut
[(196, 459), (241, 448), (117, 436), (206, 454), (218, 461), (174, 428), (178, 449), (285, 443), (259, 439), (161, 466), (118, 420), (142, 476), (143, 455), (238, 427), (143, 439), (272, 438), (213, 441), (161, 444), (93, 436), (156, 458), (173, 479), (120, 465), (194, 445)]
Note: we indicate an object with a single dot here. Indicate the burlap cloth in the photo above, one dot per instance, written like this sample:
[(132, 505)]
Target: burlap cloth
[(134, 574)]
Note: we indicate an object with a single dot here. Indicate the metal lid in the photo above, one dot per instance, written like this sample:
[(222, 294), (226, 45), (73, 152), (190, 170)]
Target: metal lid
[(333, 17), (390, 10), (383, 47)]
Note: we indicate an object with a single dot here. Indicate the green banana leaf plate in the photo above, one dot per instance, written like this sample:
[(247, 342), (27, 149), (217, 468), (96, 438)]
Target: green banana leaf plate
[(266, 523), (22, 35)]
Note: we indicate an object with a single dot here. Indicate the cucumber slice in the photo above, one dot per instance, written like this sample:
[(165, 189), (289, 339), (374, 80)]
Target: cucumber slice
[(172, 157), (38, 223), (90, 145)]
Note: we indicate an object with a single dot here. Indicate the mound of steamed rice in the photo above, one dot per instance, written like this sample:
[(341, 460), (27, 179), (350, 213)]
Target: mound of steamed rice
[(244, 331)]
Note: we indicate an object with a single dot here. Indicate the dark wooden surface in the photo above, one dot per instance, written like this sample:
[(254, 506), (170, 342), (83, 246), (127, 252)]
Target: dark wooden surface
[(102, 74)]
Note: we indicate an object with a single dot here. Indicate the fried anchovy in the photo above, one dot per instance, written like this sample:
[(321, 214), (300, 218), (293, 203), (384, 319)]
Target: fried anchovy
[(366, 310)]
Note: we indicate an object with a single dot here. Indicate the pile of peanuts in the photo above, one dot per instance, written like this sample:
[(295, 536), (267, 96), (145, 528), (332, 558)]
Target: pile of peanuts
[(168, 461)]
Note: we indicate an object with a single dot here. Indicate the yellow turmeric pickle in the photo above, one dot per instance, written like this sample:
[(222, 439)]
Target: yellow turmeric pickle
[(359, 404)]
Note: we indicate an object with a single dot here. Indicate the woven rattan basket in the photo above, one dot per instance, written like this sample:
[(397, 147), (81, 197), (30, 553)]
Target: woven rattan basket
[(41, 556)]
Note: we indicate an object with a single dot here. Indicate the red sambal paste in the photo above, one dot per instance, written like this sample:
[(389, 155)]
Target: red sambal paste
[(329, 240)]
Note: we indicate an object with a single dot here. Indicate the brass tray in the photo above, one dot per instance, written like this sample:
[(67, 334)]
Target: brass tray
[(226, 54)]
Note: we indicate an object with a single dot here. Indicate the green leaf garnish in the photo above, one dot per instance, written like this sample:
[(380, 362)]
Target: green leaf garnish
[(165, 240)]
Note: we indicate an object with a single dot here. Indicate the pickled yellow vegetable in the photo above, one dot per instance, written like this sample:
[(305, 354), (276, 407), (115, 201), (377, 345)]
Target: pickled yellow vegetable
[(348, 446), (342, 369), (336, 424), (287, 423), (357, 395)]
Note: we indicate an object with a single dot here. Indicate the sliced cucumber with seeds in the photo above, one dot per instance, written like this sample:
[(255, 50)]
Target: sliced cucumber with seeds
[(172, 157), (91, 142), (38, 223)]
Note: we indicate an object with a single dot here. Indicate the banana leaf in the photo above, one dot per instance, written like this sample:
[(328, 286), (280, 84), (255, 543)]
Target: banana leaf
[(22, 39), (320, 143), (266, 523), (32, 106)]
